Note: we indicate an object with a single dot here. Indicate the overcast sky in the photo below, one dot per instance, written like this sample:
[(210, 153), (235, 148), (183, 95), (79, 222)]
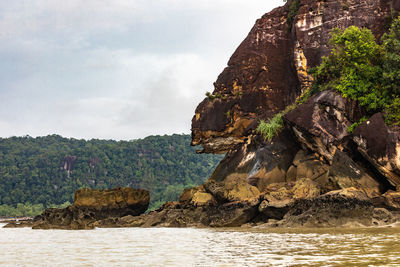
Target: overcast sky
[(114, 69)]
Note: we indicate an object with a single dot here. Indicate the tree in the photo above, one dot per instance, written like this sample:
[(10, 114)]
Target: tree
[(354, 68), (391, 71), (391, 64), (32, 169)]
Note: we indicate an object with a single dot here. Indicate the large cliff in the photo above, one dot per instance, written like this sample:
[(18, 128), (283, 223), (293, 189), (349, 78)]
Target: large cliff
[(314, 158), (314, 172), (269, 68)]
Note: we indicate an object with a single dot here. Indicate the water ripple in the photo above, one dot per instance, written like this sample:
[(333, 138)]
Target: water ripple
[(200, 247)]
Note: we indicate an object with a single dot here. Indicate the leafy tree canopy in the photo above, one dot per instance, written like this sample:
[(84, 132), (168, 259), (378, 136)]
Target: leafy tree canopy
[(362, 69), (47, 170)]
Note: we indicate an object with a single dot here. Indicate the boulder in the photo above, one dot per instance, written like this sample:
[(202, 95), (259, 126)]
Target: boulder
[(92, 205), (336, 208), (258, 162), (231, 191), (197, 196), (280, 197), (116, 202), (320, 126), (307, 165)]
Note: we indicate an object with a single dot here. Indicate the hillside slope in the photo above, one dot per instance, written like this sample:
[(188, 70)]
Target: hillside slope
[(47, 170)]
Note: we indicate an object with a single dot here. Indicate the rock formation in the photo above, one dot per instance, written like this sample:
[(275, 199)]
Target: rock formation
[(269, 68), (93, 205), (314, 173)]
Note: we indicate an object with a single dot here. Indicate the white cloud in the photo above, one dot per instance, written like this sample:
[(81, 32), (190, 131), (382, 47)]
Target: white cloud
[(114, 69)]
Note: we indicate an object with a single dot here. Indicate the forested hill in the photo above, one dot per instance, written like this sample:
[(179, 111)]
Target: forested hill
[(47, 170)]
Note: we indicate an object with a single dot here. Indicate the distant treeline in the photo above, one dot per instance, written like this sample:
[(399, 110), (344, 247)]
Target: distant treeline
[(47, 170)]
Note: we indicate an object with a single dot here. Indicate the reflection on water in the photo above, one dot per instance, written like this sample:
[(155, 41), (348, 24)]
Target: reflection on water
[(201, 247)]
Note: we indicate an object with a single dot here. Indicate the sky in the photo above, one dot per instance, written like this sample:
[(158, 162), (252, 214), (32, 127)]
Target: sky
[(114, 69)]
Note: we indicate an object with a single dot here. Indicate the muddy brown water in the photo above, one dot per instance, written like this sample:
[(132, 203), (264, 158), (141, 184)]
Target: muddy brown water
[(201, 247)]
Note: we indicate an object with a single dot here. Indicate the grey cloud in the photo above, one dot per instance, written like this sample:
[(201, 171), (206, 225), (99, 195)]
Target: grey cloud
[(114, 69)]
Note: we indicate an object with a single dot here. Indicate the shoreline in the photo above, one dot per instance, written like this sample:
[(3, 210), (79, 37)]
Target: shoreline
[(257, 229), (15, 219)]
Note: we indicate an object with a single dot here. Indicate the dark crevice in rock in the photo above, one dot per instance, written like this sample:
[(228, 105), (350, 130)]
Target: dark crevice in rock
[(369, 168)]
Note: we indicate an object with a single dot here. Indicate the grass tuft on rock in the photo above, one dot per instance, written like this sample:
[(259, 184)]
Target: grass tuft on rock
[(270, 128)]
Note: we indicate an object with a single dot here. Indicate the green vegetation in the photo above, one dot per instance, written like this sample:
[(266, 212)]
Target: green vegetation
[(360, 69), (363, 70), (210, 95), (228, 114), (392, 112), (35, 171), (356, 124), (293, 10), (274, 125), (26, 210), (391, 59), (270, 128), (354, 67), (391, 72)]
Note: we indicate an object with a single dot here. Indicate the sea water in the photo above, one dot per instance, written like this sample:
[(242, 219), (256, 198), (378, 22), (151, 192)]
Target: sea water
[(200, 247)]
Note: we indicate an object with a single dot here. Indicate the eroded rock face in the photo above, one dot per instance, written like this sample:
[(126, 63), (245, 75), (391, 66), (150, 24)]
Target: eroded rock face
[(269, 68), (321, 123), (347, 207), (119, 200), (250, 85), (380, 146), (93, 205)]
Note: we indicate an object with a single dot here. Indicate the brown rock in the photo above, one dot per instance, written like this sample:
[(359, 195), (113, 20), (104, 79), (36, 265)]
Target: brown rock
[(392, 199), (187, 194), (321, 123), (291, 174), (231, 191), (305, 189), (311, 168), (269, 68), (263, 177), (337, 208), (202, 199), (380, 146), (132, 201), (197, 196), (280, 198), (95, 205), (344, 173)]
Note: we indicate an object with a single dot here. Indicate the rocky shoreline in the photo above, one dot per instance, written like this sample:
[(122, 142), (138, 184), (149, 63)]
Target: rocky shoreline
[(295, 205), (349, 208), (15, 219)]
